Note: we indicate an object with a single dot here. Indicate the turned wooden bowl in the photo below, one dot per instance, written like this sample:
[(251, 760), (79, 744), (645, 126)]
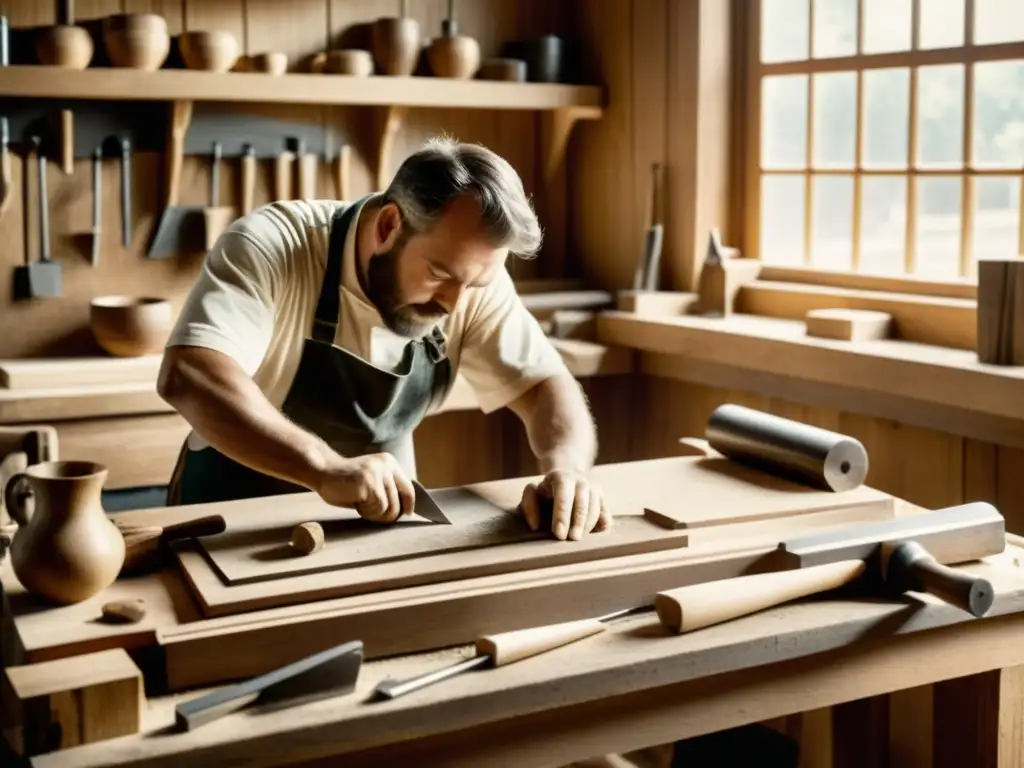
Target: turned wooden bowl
[(396, 45), (455, 56), (136, 40), (212, 50), (64, 45), (350, 61), (130, 326), (272, 63)]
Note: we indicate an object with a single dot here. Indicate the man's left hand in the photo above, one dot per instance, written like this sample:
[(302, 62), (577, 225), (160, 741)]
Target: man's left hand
[(576, 505)]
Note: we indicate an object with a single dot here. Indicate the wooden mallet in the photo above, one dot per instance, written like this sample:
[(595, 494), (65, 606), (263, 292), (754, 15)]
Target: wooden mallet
[(145, 545)]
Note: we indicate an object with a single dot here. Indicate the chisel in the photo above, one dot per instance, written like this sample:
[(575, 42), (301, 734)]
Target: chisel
[(505, 648)]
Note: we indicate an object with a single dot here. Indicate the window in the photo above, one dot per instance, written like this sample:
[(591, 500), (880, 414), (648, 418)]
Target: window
[(885, 137)]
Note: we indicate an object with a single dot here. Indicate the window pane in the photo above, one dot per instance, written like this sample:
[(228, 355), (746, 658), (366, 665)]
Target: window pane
[(832, 225), (835, 28), (784, 121), (883, 224), (938, 227), (887, 25), (785, 30), (835, 120), (999, 113), (942, 23), (782, 220), (886, 117), (997, 217), (998, 21), (940, 115)]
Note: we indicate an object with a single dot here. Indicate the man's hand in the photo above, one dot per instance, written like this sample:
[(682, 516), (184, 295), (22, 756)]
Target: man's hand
[(576, 505), (374, 485)]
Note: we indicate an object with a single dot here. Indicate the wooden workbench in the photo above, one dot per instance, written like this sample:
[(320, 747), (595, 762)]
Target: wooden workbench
[(631, 687)]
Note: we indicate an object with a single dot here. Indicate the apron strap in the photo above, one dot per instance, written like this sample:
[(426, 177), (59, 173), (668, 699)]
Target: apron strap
[(325, 321)]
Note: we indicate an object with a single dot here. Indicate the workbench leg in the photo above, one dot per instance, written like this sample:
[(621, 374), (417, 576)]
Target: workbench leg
[(860, 733), (979, 720)]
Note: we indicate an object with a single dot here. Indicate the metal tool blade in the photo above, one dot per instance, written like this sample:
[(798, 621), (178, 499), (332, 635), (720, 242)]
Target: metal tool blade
[(330, 673), (427, 507), (97, 170), (392, 689)]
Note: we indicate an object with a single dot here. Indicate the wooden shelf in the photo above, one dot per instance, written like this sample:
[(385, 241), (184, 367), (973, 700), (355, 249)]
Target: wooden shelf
[(110, 83), (389, 97)]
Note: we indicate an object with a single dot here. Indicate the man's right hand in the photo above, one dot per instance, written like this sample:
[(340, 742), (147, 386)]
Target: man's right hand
[(374, 485)]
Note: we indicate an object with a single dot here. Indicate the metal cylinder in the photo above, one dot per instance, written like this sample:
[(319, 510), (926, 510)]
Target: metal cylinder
[(786, 448), (5, 42)]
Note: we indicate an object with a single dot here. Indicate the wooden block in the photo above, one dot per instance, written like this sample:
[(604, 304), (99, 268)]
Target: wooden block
[(721, 281), (78, 700), (1001, 311), (848, 324)]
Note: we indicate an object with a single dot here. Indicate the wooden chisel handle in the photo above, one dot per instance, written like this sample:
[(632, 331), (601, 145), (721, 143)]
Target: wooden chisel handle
[(308, 163), (283, 176), (341, 173), (508, 647), (189, 529), (181, 116), (703, 605)]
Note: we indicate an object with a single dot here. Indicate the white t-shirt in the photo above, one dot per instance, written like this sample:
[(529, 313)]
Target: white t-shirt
[(257, 292)]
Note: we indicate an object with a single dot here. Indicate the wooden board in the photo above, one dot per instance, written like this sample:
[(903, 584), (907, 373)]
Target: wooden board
[(717, 491), (629, 488), (256, 547), (71, 372)]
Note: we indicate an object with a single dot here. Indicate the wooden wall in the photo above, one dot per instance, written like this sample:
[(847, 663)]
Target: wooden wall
[(59, 326)]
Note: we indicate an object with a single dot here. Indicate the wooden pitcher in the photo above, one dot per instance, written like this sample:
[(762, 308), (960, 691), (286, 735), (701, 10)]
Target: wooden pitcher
[(66, 549)]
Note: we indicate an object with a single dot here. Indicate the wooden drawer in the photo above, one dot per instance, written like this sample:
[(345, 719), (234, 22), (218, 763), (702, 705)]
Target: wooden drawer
[(138, 450)]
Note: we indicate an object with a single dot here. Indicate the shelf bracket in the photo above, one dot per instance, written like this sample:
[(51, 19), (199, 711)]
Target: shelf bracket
[(390, 120), (556, 127)]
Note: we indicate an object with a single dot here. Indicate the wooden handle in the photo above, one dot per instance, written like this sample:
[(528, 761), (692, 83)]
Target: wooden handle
[(181, 116), (248, 181), (16, 493), (703, 605), (342, 172), (67, 141), (524, 643), (307, 176), (910, 567), (283, 176), (5, 178), (190, 529)]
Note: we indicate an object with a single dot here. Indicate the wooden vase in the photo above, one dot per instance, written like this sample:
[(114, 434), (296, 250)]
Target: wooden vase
[(453, 55), (66, 549), (396, 45)]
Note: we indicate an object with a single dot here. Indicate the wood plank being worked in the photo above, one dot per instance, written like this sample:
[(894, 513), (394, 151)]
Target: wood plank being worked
[(702, 489), (878, 640)]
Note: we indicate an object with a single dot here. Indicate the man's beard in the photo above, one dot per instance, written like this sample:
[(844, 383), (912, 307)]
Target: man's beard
[(410, 320)]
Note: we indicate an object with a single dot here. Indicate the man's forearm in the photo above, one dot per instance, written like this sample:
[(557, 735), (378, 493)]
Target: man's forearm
[(228, 410), (559, 425)]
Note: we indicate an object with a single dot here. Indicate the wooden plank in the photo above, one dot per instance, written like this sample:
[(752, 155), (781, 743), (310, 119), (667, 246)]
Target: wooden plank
[(171, 85), (74, 372), (824, 651)]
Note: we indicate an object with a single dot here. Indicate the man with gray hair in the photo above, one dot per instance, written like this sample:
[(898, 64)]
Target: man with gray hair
[(320, 333)]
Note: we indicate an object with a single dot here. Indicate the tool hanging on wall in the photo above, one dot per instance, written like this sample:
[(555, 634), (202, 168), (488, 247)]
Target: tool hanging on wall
[(247, 174), (5, 164), (283, 175), (307, 171), (216, 217), (181, 226), (97, 172), (646, 277), (43, 277), (126, 191), (342, 172)]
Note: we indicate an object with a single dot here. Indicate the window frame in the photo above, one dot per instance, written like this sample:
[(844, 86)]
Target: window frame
[(749, 220)]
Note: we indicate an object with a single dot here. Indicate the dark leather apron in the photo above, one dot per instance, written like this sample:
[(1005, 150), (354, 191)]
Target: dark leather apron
[(354, 406)]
